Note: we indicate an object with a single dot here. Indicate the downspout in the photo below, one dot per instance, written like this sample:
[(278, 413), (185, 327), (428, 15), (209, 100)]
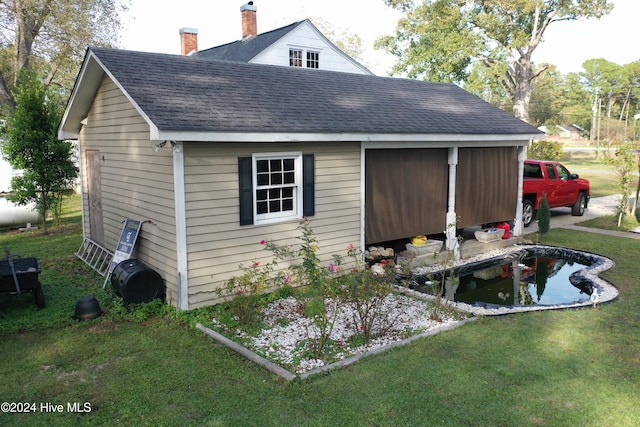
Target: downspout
[(452, 219), (518, 227), (181, 224)]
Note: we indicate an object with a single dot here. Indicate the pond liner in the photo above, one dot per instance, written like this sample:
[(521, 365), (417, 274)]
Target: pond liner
[(587, 278)]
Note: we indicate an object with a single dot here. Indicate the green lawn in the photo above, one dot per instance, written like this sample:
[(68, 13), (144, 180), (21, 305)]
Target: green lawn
[(603, 178), (555, 368)]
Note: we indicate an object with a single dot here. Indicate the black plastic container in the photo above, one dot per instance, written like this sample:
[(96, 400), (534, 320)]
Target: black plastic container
[(87, 308), (136, 283)]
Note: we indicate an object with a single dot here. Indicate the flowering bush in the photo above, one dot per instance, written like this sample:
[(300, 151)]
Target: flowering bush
[(327, 289)]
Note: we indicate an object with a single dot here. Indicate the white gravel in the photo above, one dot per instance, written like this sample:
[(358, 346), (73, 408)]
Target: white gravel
[(282, 341)]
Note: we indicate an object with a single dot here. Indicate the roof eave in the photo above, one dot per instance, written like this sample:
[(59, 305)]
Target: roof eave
[(87, 84), (206, 136)]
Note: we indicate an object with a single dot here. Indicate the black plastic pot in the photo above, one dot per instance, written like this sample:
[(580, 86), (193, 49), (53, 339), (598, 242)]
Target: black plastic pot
[(136, 283), (87, 308)]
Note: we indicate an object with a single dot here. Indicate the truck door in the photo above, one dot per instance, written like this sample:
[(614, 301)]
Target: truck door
[(553, 184), (567, 188)]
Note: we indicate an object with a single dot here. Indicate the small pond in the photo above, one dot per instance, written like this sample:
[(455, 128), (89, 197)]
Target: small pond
[(533, 277)]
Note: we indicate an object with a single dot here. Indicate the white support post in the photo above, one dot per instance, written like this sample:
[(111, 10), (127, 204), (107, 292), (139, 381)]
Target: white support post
[(518, 227), (181, 224), (452, 243)]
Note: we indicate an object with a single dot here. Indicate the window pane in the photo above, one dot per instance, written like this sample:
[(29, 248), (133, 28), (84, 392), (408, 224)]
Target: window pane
[(276, 165), (276, 179), (263, 179), (262, 208), (287, 205), (262, 166), (288, 164), (289, 178), (287, 192), (274, 193), (274, 206), (261, 195)]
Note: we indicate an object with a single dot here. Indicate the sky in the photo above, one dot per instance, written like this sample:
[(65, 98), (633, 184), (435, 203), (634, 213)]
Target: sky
[(153, 26)]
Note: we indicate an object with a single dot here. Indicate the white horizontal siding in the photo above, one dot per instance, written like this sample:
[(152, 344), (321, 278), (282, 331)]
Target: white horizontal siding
[(217, 244), (305, 37)]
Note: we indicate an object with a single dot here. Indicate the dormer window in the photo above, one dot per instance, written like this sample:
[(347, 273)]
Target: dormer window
[(296, 58), (313, 59)]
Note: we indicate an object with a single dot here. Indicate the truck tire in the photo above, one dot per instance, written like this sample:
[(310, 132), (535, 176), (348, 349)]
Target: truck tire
[(579, 207), (528, 213)]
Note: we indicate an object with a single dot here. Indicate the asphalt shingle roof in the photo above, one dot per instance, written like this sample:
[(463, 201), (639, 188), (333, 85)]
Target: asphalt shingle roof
[(246, 49), (184, 93)]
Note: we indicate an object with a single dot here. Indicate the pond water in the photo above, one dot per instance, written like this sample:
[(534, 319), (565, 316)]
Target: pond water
[(521, 279)]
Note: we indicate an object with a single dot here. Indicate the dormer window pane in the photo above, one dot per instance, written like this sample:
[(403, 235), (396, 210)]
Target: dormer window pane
[(313, 59), (295, 58)]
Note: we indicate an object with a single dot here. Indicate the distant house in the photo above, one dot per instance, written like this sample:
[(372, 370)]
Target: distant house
[(215, 156), (299, 44), (564, 132)]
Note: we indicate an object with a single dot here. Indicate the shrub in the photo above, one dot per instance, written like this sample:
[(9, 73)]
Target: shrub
[(545, 150), (544, 216)]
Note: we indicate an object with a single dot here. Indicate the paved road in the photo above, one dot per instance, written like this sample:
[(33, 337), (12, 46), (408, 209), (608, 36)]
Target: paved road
[(598, 206)]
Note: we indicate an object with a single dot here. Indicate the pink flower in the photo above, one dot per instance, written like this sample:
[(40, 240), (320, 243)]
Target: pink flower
[(350, 246), (332, 267), (262, 242), (286, 278), (239, 291), (256, 263)]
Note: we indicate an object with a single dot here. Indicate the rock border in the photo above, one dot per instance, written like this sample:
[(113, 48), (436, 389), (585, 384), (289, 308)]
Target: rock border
[(595, 264), (280, 371)]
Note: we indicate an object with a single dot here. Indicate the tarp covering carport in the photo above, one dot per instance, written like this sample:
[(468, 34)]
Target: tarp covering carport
[(405, 193)]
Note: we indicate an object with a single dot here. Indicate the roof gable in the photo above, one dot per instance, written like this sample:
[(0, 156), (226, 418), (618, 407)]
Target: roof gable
[(199, 98), (252, 48), (246, 49)]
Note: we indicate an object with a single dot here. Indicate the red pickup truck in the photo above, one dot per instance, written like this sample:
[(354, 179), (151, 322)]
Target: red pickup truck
[(561, 188)]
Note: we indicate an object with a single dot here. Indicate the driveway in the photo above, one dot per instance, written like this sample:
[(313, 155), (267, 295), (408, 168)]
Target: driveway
[(598, 206)]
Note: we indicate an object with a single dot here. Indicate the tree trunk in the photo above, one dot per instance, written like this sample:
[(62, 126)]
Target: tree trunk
[(6, 99), (30, 17), (523, 74)]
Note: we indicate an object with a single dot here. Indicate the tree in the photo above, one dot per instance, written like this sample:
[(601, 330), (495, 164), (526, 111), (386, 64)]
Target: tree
[(349, 43), (439, 39), (544, 215), (52, 35), (625, 161), (31, 143)]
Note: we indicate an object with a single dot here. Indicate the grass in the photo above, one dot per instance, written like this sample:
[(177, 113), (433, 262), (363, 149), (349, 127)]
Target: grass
[(610, 222), (603, 178), (560, 368)]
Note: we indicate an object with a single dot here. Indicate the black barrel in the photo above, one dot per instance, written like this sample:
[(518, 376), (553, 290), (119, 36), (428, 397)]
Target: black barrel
[(136, 283)]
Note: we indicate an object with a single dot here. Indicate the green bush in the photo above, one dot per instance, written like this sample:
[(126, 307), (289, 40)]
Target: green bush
[(545, 150), (544, 216)]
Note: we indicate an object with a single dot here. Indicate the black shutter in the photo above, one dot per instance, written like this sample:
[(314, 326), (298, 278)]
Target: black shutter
[(308, 185), (246, 190)]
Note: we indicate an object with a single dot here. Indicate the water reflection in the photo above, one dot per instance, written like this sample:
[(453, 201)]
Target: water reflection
[(519, 282)]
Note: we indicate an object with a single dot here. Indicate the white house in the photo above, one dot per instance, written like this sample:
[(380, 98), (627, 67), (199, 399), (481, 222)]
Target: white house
[(299, 44)]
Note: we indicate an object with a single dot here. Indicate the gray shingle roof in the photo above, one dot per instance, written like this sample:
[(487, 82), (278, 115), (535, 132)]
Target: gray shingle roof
[(184, 93), (246, 49)]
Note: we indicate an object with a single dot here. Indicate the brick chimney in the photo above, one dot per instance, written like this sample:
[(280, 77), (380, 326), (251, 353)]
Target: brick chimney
[(249, 20), (188, 40)]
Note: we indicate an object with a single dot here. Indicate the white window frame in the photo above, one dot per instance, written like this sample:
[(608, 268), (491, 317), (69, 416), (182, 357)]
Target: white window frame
[(304, 62), (275, 217), (316, 61)]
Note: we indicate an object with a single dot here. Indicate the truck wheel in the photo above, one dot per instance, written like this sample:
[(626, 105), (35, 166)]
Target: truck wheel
[(579, 207), (527, 212)]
